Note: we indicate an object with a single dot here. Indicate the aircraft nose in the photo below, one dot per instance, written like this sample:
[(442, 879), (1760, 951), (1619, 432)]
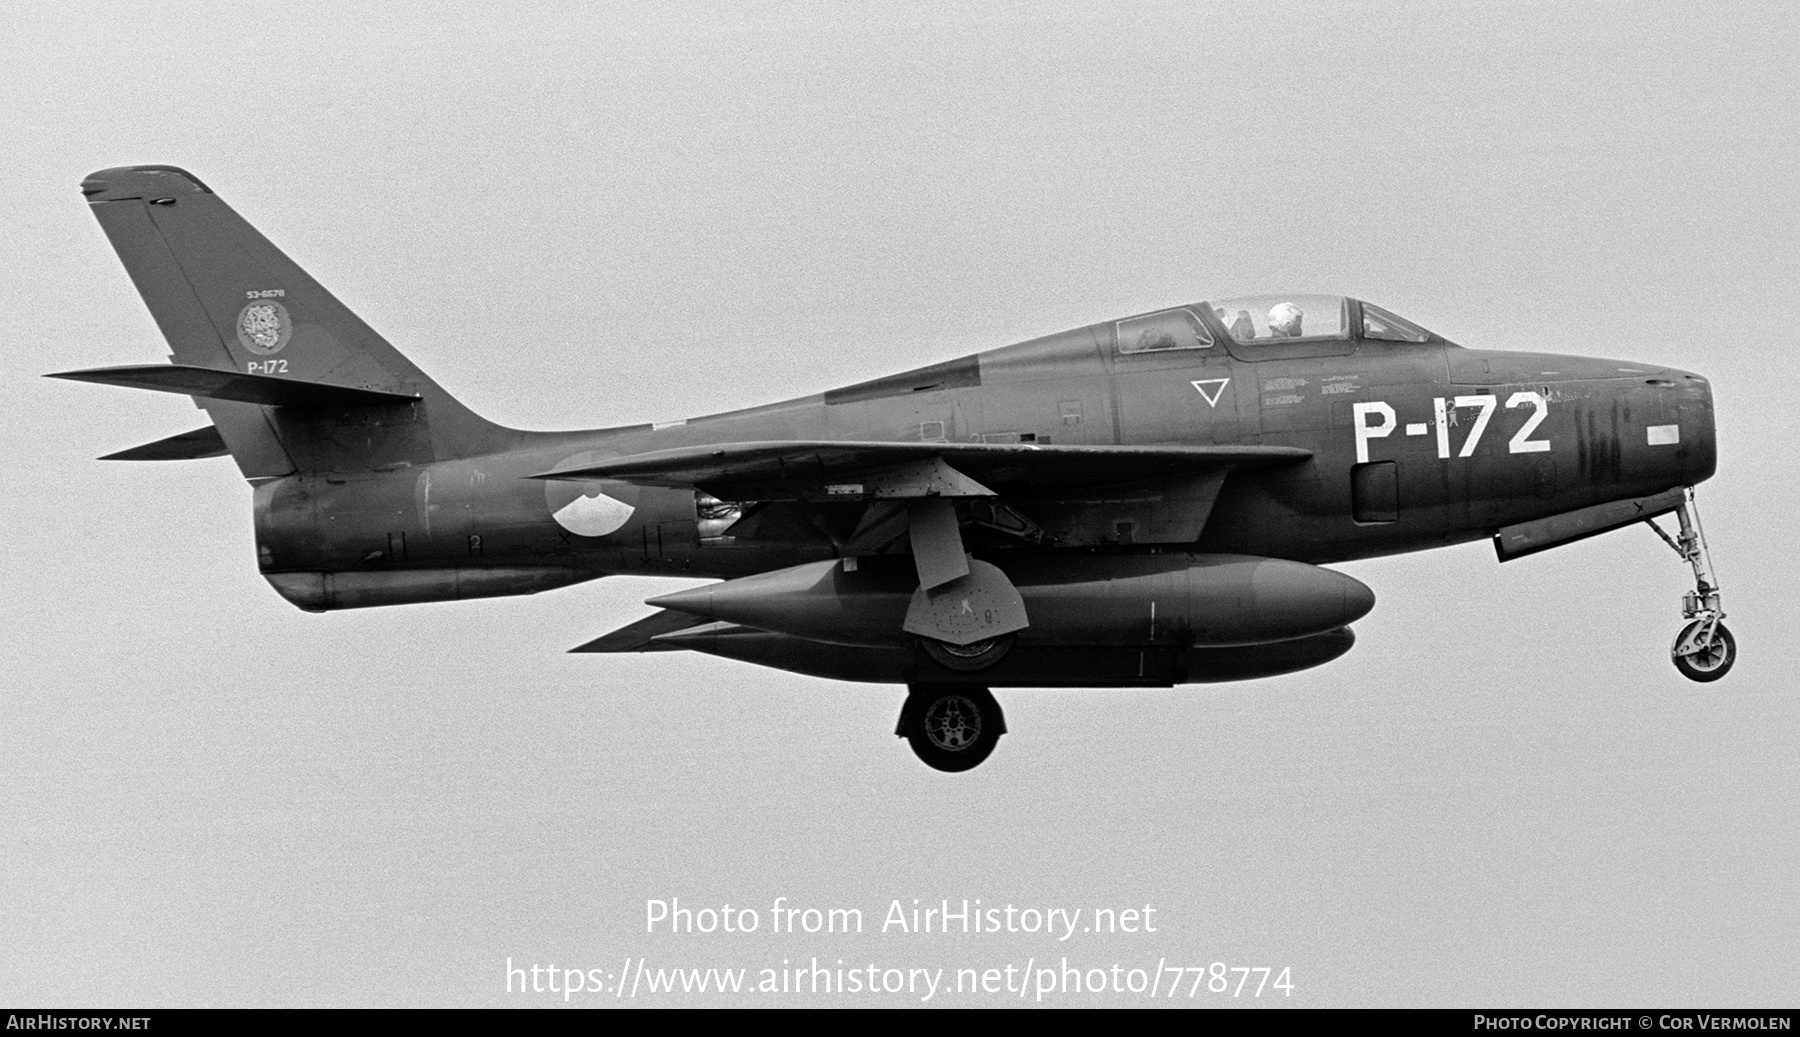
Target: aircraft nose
[(1693, 435)]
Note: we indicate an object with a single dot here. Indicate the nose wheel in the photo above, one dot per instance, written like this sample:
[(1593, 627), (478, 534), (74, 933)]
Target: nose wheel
[(1703, 654), (1704, 650)]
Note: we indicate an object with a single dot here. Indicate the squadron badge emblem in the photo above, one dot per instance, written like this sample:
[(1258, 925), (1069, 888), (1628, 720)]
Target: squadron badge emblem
[(263, 326)]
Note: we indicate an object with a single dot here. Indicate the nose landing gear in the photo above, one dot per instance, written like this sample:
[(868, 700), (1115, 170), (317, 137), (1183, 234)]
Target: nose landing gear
[(1705, 649)]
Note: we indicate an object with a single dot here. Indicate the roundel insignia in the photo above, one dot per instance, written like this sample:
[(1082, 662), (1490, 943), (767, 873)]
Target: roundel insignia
[(593, 516), (582, 508), (263, 326)]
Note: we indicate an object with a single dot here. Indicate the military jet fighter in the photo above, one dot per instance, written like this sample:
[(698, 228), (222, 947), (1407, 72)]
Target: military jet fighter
[(1144, 502)]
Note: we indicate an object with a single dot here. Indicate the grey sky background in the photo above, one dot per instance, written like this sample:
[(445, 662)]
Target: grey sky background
[(576, 216)]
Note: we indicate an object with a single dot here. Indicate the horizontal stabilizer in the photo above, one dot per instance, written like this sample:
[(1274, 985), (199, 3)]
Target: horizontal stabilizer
[(640, 636), (815, 469), (202, 442), (213, 384)]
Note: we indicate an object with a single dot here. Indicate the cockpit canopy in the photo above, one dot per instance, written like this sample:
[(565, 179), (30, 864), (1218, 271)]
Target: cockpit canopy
[(1267, 327), (1285, 318)]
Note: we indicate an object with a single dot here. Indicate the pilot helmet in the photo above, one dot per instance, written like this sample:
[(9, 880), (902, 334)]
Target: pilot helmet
[(1284, 319)]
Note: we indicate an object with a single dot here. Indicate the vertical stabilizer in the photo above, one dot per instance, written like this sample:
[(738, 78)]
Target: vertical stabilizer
[(227, 299)]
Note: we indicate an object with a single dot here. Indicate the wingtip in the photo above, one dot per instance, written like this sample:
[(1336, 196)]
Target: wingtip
[(638, 636), (123, 182)]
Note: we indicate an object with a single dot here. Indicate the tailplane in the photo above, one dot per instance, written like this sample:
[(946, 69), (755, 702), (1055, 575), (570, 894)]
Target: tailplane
[(292, 379)]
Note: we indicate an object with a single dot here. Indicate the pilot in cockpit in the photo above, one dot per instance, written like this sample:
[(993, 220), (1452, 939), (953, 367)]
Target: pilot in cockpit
[(1284, 320)]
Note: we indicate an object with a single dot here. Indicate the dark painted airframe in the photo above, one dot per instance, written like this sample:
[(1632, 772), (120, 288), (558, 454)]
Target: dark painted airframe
[(1138, 503)]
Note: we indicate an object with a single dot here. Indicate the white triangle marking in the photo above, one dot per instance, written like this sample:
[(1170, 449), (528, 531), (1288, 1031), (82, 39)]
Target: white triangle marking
[(1218, 389)]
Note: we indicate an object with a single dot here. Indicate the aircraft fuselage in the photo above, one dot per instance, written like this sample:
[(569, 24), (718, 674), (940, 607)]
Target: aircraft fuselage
[(1415, 445)]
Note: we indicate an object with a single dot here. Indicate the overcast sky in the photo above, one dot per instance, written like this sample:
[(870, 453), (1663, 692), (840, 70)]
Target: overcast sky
[(1504, 795)]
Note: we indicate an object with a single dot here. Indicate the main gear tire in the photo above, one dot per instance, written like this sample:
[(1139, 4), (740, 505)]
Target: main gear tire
[(952, 728), (969, 658)]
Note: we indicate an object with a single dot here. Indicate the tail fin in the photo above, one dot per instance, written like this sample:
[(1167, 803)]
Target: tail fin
[(228, 300)]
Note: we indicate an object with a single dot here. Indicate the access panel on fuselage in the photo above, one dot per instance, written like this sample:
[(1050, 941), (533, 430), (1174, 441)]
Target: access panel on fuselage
[(1316, 403), (1173, 382), (1048, 390)]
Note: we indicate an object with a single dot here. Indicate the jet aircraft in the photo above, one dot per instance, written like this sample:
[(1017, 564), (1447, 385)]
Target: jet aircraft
[(1144, 502)]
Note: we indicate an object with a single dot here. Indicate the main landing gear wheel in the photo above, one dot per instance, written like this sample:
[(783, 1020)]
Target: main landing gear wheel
[(968, 658), (1704, 650), (1703, 654), (951, 728)]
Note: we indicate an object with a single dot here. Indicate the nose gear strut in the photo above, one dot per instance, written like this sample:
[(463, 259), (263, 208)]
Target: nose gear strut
[(1705, 649)]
